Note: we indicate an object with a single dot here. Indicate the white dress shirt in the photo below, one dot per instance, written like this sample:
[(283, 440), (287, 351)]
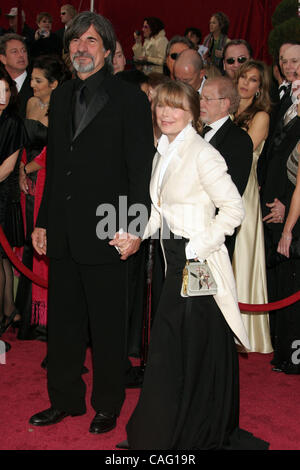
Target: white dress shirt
[(202, 85), (215, 126), (20, 80)]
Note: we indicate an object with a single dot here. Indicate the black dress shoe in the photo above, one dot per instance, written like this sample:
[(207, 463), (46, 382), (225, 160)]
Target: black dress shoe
[(134, 377), (49, 416), (123, 445), (103, 422)]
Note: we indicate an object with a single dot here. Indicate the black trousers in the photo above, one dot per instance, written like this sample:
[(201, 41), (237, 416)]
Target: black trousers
[(86, 301)]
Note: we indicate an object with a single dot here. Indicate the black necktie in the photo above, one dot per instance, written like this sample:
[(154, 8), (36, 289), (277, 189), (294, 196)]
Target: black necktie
[(206, 130), (287, 92), (79, 106)]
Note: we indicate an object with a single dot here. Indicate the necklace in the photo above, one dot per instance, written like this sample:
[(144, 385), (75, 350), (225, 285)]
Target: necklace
[(43, 105)]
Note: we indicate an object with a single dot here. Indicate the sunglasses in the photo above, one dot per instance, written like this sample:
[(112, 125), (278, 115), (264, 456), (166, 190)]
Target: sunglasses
[(232, 60), (174, 55)]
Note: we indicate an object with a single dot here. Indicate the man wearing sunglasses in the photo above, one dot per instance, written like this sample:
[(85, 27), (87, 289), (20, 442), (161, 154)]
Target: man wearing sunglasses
[(175, 46), (236, 52), (67, 13)]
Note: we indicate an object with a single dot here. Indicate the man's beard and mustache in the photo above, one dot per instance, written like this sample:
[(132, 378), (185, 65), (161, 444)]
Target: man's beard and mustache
[(83, 68)]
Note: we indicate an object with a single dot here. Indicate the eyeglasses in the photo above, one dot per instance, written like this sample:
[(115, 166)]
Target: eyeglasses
[(174, 55), (232, 60), (204, 98)]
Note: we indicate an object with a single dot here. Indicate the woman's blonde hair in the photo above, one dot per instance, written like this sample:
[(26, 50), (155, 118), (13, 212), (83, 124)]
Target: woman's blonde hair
[(178, 95)]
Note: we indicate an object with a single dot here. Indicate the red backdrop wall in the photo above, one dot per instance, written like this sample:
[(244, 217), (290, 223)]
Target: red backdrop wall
[(249, 19)]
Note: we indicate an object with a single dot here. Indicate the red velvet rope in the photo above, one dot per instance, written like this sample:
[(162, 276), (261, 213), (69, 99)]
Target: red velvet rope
[(17, 263), (43, 283)]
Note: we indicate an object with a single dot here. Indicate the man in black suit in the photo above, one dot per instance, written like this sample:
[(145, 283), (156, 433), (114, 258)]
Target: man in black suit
[(277, 116), (219, 99), (67, 13), (14, 56), (99, 155), (276, 195)]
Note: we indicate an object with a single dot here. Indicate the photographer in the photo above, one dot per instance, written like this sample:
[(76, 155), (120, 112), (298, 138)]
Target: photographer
[(45, 42)]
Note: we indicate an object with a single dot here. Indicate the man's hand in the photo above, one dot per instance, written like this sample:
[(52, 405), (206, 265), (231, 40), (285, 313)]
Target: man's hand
[(276, 215), (126, 243), (39, 240)]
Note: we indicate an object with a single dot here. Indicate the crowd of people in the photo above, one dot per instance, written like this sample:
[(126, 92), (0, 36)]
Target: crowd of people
[(215, 134)]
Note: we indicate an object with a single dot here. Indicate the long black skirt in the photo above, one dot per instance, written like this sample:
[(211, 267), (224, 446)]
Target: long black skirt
[(190, 395)]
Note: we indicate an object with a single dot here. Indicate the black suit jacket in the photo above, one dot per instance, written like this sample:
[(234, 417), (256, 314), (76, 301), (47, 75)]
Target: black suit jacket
[(277, 184), (109, 156), (275, 131), (236, 146)]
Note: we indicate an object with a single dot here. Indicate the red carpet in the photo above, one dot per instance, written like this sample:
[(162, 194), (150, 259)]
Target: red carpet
[(269, 405)]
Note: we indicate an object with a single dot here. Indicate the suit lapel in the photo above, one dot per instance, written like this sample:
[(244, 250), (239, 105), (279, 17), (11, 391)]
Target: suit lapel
[(96, 105)]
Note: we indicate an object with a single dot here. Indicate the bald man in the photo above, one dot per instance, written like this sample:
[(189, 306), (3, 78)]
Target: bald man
[(189, 68)]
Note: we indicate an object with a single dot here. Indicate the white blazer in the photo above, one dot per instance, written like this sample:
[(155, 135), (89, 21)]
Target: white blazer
[(195, 183)]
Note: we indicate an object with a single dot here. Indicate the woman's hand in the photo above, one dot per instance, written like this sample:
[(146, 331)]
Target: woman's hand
[(126, 244), (277, 213), (23, 180), (285, 243), (41, 33), (137, 38)]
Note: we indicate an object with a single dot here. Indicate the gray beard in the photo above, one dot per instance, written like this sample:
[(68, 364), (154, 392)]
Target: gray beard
[(83, 68)]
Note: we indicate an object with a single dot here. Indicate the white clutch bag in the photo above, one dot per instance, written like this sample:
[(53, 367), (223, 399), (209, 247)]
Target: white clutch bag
[(197, 279)]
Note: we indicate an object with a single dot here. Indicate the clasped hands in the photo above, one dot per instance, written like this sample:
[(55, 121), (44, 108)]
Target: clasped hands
[(126, 243)]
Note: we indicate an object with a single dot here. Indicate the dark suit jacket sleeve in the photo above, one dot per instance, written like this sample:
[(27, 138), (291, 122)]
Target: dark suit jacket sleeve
[(139, 150), (42, 217)]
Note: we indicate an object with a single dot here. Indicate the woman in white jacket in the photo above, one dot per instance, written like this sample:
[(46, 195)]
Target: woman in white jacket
[(151, 54), (190, 395)]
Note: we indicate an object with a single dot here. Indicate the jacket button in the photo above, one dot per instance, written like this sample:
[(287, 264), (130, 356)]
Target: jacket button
[(68, 197), (69, 173)]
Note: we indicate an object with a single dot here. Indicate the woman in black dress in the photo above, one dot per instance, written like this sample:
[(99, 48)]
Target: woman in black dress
[(12, 139), (190, 395)]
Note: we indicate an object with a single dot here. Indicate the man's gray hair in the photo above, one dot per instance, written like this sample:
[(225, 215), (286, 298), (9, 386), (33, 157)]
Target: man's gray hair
[(227, 89), (10, 37), (181, 40), (81, 23)]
